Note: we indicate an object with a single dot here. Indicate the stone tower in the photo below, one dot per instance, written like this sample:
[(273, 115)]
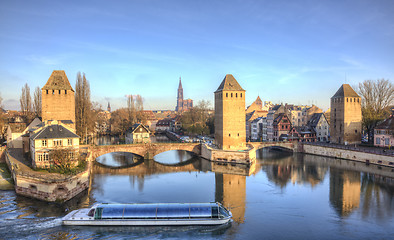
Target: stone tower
[(58, 101), (345, 116), (230, 125), (179, 99)]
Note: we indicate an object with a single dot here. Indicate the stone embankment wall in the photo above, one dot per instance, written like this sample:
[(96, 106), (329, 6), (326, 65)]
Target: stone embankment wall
[(2, 154), (349, 155), (242, 157), (51, 187)]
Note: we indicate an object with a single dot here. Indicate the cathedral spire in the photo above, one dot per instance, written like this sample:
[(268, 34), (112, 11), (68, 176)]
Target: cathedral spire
[(109, 107), (180, 83)]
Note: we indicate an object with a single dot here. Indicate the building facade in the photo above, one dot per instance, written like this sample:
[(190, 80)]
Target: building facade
[(138, 134), (345, 127), (230, 114), (281, 127), (319, 124), (52, 136), (58, 100), (181, 104), (384, 133)]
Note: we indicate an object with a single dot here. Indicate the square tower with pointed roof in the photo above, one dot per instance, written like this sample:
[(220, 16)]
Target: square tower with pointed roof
[(58, 100), (345, 116), (230, 130)]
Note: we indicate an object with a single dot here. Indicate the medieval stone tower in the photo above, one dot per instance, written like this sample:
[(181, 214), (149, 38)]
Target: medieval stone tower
[(230, 125), (58, 101), (345, 116)]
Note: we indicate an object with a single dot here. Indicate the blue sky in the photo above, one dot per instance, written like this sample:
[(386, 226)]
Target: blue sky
[(297, 52)]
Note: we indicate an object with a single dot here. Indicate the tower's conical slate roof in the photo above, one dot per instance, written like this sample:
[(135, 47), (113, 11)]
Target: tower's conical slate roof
[(229, 84), (58, 81), (345, 91)]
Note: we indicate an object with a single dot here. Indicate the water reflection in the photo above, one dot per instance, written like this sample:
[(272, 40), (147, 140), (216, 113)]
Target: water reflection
[(352, 185), (344, 190), (309, 196), (106, 140), (173, 157), (119, 159)]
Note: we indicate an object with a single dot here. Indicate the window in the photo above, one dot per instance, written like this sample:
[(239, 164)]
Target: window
[(236, 94), (69, 142), (241, 94), (65, 91), (226, 94), (40, 157), (57, 143), (53, 91), (47, 91), (377, 140), (387, 141), (231, 94), (59, 91), (44, 143)]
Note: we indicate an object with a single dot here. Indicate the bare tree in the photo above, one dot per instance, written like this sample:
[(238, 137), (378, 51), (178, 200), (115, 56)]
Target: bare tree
[(377, 96), (196, 120), (131, 109), (139, 105), (25, 101), (119, 121), (37, 102), (84, 116)]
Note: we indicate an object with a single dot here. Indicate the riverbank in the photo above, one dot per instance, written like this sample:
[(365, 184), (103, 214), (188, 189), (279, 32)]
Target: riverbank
[(353, 154), (6, 182), (51, 187)]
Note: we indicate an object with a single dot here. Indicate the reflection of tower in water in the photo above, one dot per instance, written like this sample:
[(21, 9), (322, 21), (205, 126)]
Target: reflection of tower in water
[(231, 192), (345, 188)]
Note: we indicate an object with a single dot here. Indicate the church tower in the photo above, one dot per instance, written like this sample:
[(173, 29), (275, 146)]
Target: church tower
[(179, 105), (230, 125), (345, 116), (109, 107), (58, 101)]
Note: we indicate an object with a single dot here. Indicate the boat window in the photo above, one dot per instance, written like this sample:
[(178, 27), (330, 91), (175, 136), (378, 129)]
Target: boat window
[(173, 211), (223, 212), (215, 212), (140, 211), (112, 212), (91, 212), (200, 211), (98, 212)]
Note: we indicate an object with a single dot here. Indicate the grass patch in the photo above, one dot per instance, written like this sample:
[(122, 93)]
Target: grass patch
[(4, 170), (82, 164)]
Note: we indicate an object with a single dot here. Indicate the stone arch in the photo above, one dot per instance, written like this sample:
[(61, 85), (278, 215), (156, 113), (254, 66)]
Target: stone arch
[(287, 146)]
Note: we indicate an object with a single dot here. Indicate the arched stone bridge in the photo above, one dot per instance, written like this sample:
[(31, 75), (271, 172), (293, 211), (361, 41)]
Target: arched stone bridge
[(146, 150), (293, 146)]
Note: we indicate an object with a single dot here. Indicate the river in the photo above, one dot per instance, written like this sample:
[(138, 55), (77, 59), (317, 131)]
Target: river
[(282, 196)]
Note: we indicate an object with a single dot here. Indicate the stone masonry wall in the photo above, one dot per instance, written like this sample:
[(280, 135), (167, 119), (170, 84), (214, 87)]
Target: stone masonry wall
[(51, 187), (58, 106), (349, 154)]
